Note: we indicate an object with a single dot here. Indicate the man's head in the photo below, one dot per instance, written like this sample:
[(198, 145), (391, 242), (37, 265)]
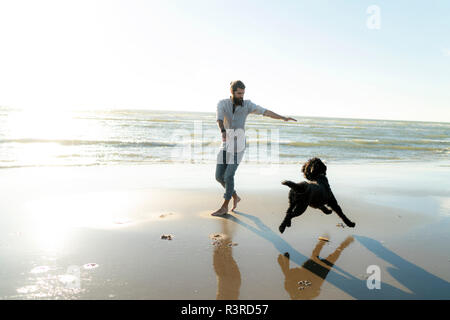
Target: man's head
[(237, 89)]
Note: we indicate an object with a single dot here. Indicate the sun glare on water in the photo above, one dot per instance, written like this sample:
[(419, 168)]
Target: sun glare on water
[(43, 137)]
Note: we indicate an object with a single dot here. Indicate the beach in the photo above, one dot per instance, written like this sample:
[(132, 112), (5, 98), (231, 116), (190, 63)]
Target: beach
[(115, 117), (94, 232)]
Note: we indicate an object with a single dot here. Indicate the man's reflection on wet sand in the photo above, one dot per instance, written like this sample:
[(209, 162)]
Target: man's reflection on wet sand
[(226, 268), (304, 282)]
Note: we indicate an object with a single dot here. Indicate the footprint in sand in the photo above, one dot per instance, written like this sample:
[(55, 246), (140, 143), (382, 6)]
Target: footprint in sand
[(219, 238), (89, 266)]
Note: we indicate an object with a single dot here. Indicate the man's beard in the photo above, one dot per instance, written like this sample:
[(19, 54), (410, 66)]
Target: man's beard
[(238, 101)]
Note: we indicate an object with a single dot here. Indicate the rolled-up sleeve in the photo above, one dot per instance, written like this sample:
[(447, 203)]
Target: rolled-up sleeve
[(255, 109), (220, 112)]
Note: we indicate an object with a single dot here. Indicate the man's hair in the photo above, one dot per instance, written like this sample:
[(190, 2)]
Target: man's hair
[(234, 85)]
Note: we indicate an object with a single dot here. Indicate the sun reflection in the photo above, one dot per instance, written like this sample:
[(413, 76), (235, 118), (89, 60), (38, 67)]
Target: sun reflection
[(43, 124), (42, 136), (53, 218)]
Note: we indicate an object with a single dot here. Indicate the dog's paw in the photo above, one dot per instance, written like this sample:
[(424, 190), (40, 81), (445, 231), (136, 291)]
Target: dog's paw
[(351, 225), (284, 182), (288, 223), (281, 228)]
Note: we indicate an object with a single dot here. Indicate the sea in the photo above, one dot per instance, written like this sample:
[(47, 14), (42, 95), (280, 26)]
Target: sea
[(43, 138)]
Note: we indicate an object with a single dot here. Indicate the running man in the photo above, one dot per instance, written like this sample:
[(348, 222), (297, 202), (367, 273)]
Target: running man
[(231, 116)]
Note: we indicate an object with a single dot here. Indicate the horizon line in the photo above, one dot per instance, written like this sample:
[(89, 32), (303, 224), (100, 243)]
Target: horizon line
[(178, 110)]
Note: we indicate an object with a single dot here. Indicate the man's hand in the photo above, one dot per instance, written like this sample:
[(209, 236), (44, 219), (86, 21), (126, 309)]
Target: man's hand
[(273, 115), (224, 136)]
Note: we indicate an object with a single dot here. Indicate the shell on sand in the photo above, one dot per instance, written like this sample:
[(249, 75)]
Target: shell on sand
[(218, 236)]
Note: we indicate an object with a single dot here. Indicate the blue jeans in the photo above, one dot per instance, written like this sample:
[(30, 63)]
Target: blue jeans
[(225, 175)]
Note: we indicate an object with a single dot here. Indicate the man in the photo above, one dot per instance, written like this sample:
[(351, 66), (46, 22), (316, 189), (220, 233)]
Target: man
[(231, 116)]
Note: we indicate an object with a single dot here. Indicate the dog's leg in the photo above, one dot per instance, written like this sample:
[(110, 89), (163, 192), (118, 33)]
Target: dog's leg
[(297, 211), (286, 222), (288, 213), (325, 210), (336, 208)]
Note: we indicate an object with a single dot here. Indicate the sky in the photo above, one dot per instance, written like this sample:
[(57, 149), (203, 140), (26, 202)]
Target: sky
[(308, 58)]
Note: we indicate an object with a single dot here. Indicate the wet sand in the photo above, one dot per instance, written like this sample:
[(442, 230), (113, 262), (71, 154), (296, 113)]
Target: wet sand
[(95, 233)]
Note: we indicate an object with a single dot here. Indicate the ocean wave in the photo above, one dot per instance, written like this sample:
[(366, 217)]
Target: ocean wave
[(427, 145), (433, 136), (49, 165), (361, 144), (295, 160), (93, 142), (117, 143), (144, 136), (135, 119), (75, 155)]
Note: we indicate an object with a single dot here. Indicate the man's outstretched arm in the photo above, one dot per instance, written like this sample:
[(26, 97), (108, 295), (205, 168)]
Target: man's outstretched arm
[(256, 109), (274, 115)]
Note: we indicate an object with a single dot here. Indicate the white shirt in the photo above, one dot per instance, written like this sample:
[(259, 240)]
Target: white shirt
[(236, 121)]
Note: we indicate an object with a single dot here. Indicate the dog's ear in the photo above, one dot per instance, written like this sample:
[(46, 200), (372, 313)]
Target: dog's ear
[(305, 169), (312, 168), (321, 168), (308, 169), (324, 168)]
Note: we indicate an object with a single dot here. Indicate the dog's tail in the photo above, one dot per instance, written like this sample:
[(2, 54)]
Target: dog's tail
[(297, 187)]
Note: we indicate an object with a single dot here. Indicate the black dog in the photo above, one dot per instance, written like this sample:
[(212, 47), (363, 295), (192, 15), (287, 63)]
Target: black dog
[(316, 194)]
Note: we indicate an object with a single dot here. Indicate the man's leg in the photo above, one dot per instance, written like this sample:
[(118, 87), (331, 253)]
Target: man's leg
[(220, 173), (221, 170), (229, 182)]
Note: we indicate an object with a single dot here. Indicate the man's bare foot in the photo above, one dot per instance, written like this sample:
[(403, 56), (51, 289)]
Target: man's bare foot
[(236, 199), (220, 212)]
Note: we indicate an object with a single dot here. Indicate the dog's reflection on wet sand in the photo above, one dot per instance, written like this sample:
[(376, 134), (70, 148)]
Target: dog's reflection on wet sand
[(305, 282)]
